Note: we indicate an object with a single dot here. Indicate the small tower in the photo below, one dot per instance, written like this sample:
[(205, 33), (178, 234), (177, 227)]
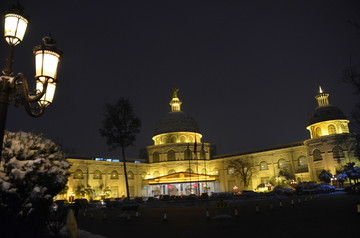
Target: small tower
[(327, 119), (175, 102), (331, 144)]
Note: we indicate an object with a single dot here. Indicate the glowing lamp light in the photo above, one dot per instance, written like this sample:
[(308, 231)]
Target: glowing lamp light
[(15, 25), (47, 58)]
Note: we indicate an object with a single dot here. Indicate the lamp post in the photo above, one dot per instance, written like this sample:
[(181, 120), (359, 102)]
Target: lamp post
[(16, 88)]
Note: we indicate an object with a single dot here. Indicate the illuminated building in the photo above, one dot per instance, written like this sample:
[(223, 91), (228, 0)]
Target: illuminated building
[(180, 163)]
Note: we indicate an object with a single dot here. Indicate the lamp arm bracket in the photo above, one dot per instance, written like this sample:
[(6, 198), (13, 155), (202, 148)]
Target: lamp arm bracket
[(34, 111), (22, 88)]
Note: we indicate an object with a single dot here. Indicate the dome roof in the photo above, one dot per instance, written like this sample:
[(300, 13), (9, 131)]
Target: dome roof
[(176, 121), (326, 113)]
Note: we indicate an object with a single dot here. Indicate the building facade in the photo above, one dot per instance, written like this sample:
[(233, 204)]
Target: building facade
[(181, 163)]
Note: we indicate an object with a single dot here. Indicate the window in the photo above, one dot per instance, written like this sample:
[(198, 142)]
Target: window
[(215, 171), (282, 163), (188, 154), (78, 174), (97, 174), (171, 155), (338, 152), (203, 154), (318, 132), (331, 129), (130, 175), (263, 166), (303, 161), (173, 139), (189, 171), (171, 171), (230, 170), (182, 139), (114, 175), (156, 174), (203, 171), (317, 155), (156, 157)]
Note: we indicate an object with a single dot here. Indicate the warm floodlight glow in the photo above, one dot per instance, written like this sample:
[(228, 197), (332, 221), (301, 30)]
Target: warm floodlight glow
[(14, 28)]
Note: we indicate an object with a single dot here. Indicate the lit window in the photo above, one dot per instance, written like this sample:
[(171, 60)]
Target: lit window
[(263, 166), (78, 174), (317, 155), (97, 174), (215, 171), (318, 132), (303, 161), (114, 175), (282, 164), (156, 174), (130, 175), (231, 170), (331, 129), (171, 171), (189, 171)]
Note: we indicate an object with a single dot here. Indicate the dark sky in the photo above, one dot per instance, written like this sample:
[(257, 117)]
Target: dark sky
[(247, 71)]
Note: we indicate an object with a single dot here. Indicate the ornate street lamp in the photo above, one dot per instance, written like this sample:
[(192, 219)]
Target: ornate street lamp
[(47, 57)]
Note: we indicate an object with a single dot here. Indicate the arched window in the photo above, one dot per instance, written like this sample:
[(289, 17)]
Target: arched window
[(130, 175), (303, 161), (97, 174), (189, 171), (156, 157), (156, 174), (182, 139), (203, 171), (188, 154), (317, 155), (264, 166), (171, 155), (215, 171), (78, 174), (143, 175), (282, 163), (114, 175), (173, 139), (338, 152), (230, 170), (331, 129), (172, 171), (318, 132)]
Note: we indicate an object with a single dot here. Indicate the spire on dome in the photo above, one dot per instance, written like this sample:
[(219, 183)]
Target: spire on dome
[(322, 98), (175, 102)]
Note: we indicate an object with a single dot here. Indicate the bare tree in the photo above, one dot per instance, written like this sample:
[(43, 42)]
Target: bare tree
[(244, 168), (120, 127)]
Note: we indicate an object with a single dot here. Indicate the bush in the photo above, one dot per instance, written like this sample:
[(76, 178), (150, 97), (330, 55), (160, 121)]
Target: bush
[(32, 171)]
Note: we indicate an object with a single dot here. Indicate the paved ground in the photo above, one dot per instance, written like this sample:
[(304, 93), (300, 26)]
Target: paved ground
[(328, 216)]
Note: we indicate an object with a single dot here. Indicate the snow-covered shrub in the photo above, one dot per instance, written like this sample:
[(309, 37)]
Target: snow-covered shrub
[(33, 170)]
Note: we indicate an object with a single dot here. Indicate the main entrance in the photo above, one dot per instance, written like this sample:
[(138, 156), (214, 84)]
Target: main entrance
[(182, 183)]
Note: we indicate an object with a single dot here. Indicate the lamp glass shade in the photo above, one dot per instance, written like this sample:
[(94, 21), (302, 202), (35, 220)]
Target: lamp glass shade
[(48, 97), (14, 28), (46, 63)]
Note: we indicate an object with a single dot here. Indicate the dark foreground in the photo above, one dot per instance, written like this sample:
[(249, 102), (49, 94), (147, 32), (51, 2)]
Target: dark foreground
[(332, 215)]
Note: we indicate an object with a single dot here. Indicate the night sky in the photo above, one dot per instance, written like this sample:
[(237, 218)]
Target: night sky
[(247, 71)]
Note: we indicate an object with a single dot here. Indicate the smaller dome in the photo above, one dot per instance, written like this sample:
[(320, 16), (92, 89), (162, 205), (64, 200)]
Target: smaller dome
[(326, 113), (177, 121)]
